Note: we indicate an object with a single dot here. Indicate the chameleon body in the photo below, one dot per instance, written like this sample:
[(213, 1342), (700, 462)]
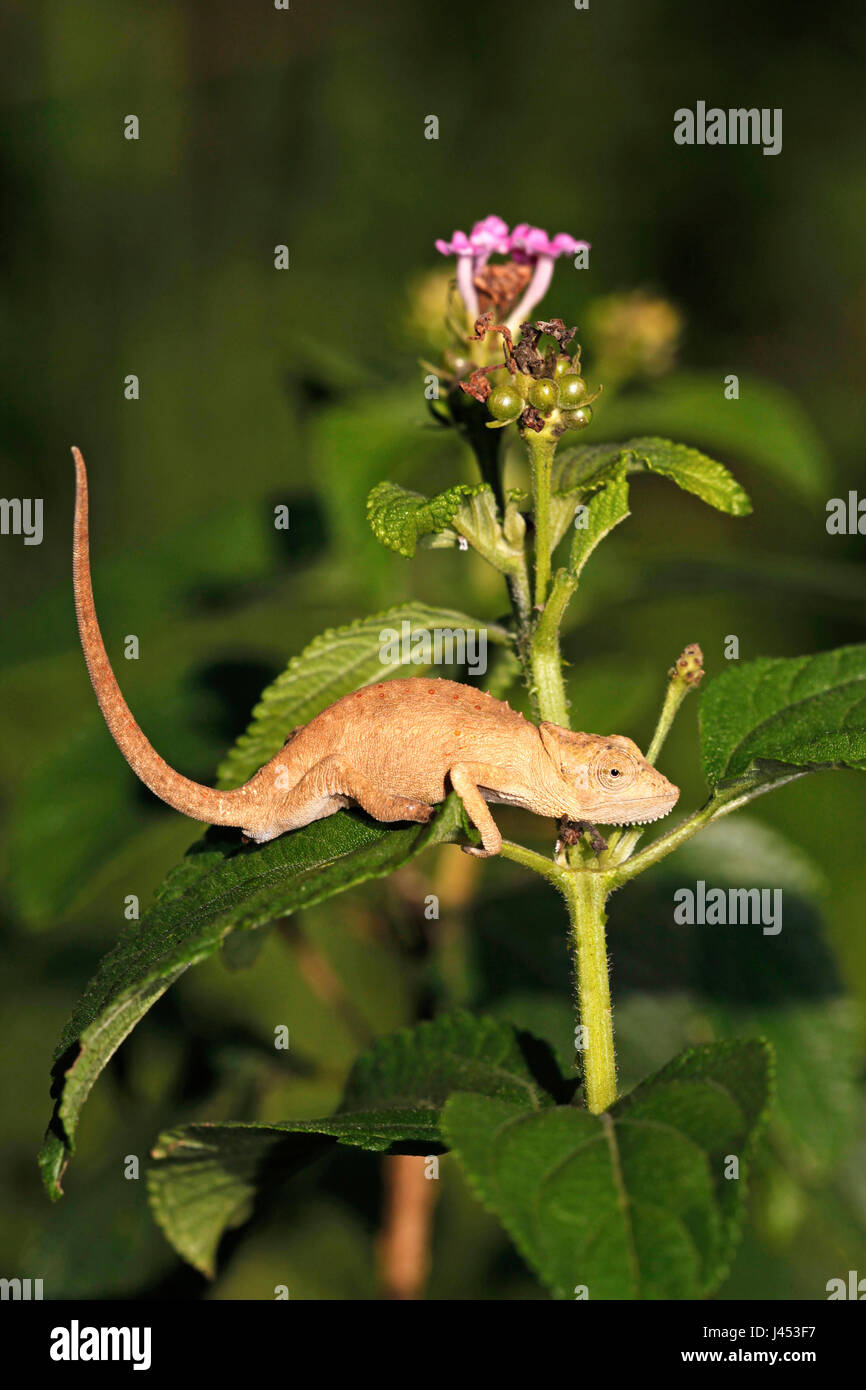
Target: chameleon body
[(396, 749)]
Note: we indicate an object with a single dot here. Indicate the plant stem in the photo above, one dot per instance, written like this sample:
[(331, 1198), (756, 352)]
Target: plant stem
[(518, 589), (674, 696), (585, 895), (721, 803), (682, 678), (665, 844), (404, 1243), (537, 862), (541, 450), (622, 842), (545, 658)]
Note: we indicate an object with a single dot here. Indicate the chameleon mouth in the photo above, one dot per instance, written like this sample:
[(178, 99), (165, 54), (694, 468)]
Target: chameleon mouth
[(635, 818), (638, 810)]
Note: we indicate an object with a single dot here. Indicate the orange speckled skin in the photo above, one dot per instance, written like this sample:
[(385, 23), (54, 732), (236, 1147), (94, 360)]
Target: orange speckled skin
[(406, 735), (404, 741)]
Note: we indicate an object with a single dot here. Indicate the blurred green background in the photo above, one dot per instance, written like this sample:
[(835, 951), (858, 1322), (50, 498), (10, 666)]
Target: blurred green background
[(155, 257)]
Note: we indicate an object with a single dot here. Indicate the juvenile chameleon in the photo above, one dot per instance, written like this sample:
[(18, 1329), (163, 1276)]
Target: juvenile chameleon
[(395, 749)]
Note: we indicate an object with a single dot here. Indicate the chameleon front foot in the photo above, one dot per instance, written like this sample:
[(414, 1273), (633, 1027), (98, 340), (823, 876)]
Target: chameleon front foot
[(570, 832)]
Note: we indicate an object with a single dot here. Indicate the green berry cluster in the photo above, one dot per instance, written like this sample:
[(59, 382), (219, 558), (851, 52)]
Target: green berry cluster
[(562, 398)]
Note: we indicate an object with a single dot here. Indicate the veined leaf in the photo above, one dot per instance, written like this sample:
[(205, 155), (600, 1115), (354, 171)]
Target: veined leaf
[(205, 1178), (635, 1203), (605, 510), (336, 662), (399, 518), (782, 714), (692, 471), (581, 469), (218, 888)]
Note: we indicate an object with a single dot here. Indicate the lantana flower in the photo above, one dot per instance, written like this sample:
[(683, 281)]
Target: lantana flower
[(532, 246), (473, 252), (515, 287)]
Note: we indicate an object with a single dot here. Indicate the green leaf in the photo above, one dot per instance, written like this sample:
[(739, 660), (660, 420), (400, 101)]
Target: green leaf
[(336, 662), (782, 716), (399, 518), (418, 1068), (766, 426), (206, 1177), (582, 468), (692, 471), (604, 511), (218, 888), (500, 543), (633, 1203)]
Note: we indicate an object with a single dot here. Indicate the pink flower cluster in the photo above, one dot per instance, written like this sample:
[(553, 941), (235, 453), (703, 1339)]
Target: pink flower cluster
[(526, 245)]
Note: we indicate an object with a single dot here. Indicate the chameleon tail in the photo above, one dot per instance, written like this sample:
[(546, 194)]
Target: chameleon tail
[(201, 803)]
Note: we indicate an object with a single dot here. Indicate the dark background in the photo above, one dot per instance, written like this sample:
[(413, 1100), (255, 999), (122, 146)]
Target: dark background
[(155, 257)]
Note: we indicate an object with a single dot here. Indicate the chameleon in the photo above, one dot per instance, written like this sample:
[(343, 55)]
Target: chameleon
[(395, 749)]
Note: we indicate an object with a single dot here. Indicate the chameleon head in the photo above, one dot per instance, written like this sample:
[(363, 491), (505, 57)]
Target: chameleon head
[(608, 780)]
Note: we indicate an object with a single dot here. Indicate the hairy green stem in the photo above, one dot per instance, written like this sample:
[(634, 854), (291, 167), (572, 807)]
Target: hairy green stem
[(545, 658), (674, 695), (585, 894), (621, 844), (584, 891), (537, 862), (665, 844), (519, 591), (541, 450), (721, 803)]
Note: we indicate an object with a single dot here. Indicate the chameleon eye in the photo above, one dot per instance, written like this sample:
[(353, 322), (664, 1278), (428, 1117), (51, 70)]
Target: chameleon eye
[(615, 769)]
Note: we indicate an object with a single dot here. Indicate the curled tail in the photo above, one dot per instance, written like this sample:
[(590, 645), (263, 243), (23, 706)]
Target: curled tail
[(201, 803)]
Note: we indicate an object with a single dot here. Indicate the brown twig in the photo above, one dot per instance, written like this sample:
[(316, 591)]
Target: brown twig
[(403, 1246)]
